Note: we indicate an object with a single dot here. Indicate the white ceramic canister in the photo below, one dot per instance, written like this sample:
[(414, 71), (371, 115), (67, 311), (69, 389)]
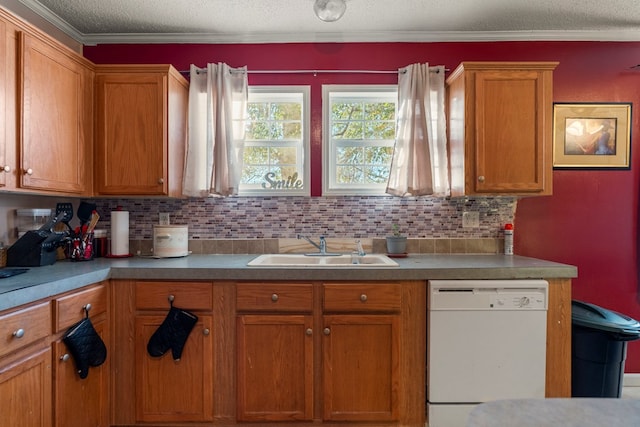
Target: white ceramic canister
[(170, 241)]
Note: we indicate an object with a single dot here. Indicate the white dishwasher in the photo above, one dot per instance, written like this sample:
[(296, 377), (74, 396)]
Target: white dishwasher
[(486, 341)]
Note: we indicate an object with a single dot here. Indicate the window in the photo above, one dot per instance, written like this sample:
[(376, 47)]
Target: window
[(359, 129), (276, 159)]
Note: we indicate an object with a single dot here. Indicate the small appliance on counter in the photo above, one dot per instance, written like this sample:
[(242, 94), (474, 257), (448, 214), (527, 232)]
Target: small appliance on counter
[(37, 247), (170, 241)]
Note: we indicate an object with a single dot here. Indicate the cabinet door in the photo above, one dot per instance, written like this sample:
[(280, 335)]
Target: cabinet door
[(510, 132), (174, 391), (56, 118), (131, 145), (81, 402), (4, 142), (275, 368), (361, 367), (25, 391)]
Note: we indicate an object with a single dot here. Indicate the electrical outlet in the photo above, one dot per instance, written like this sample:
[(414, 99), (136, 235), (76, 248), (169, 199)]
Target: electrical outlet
[(470, 219), (163, 218)]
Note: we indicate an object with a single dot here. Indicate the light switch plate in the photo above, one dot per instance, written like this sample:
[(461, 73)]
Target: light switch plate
[(470, 219), (163, 218)]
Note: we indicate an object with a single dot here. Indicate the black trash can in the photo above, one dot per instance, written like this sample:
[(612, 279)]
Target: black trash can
[(599, 349)]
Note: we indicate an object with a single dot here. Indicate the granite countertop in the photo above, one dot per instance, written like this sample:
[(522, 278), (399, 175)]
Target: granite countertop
[(63, 276)]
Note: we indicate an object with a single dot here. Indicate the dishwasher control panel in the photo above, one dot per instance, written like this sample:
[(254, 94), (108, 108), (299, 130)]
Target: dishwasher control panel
[(488, 295)]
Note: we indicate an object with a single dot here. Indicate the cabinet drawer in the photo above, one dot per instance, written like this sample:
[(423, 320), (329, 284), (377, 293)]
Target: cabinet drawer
[(23, 327), (69, 309), (185, 295), (296, 297), (361, 297)]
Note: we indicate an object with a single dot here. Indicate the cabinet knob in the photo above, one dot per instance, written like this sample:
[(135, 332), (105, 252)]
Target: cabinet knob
[(363, 297), (7, 168), (160, 180), (86, 307), (274, 297), (206, 332), (29, 171), (309, 331), (481, 178), (326, 331), (171, 298), (65, 357), (18, 333)]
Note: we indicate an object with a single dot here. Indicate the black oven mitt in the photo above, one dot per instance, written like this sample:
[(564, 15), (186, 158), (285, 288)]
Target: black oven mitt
[(172, 333), (85, 345)]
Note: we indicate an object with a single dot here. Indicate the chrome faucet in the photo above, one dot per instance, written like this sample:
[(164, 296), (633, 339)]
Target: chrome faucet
[(322, 246)]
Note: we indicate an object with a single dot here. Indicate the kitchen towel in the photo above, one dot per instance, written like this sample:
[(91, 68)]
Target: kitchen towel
[(120, 233)]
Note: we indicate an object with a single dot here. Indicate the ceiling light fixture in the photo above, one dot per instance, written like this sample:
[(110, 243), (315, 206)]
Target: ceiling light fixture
[(329, 10)]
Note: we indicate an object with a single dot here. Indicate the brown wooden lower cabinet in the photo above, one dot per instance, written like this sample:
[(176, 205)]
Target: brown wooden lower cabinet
[(80, 402), (169, 390), (25, 390), (275, 367)]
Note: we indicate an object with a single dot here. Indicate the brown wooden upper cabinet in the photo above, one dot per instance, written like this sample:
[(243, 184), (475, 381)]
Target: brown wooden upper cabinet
[(141, 119), (55, 112), (46, 113), (500, 128)]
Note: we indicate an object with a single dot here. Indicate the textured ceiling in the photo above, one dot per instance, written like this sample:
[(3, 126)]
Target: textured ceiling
[(227, 21)]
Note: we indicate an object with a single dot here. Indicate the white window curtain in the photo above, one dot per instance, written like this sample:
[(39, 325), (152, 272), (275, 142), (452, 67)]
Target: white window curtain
[(419, 165), (217, 111)]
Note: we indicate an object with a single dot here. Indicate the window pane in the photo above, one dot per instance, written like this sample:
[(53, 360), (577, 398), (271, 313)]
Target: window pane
[(292, 130), (376, 174), (258, 110), (380, 111), (348, 130), (283, 155), (349, 174), (380, 130), (350, 155), (255, 155), (346, 111), (253, 174), (286, 111), (379, 156)]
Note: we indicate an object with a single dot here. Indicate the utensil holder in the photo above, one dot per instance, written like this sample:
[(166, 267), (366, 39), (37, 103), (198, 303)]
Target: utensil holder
[(82, 248)]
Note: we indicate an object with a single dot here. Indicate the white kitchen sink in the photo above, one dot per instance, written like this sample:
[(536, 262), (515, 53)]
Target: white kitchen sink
[(301, 260)]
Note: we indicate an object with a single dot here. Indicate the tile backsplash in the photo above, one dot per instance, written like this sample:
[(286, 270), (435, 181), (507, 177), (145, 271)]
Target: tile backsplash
[(430, 223)]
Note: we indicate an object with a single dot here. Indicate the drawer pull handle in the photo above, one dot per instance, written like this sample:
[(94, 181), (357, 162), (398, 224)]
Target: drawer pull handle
[(326, 331), (65, 357), (309, 331), (19, 333), (206, 332), (7, 168), (274, 297), (363, 298)]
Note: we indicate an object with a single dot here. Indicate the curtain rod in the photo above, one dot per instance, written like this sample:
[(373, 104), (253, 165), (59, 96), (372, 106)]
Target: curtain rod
[(316, 72)]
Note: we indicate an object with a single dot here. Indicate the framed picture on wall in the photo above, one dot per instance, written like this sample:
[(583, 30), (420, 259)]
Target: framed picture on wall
[(592, 136)]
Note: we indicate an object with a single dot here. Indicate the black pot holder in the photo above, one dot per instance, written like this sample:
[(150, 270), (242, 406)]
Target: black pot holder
[(172, 333), (85, 345)]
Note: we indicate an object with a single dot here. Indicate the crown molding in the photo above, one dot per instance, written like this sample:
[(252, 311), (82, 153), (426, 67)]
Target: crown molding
[(361, 37), (325, 37)]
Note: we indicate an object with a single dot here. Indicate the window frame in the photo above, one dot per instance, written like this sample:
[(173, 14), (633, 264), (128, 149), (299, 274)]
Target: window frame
[(305, 144), (329, 185)]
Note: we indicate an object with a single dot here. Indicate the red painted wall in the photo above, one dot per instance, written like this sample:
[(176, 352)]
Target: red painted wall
[(591, 219)]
